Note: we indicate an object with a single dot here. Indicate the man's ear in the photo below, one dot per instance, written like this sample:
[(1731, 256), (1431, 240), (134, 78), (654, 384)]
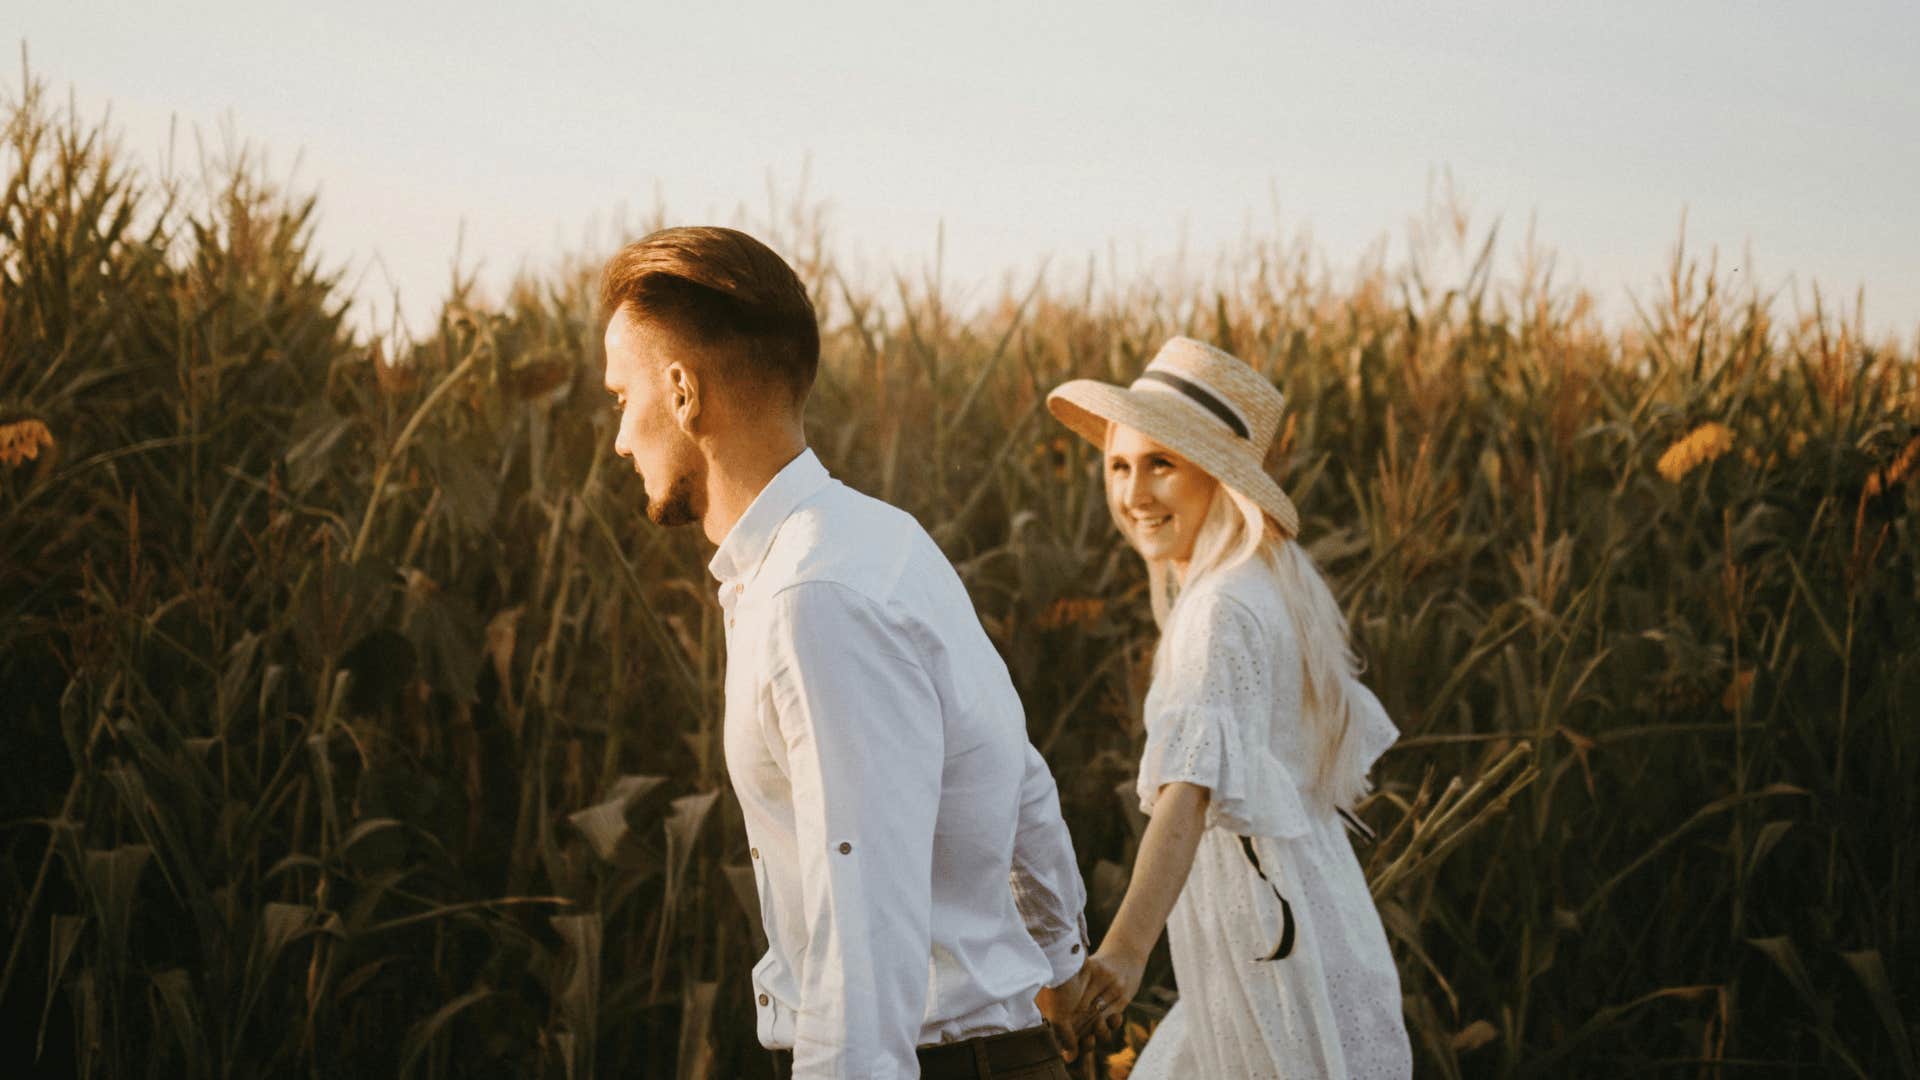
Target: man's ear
[(683, 396)]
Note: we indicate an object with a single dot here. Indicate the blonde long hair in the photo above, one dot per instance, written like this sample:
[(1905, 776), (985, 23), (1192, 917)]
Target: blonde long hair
[(1234, 530)]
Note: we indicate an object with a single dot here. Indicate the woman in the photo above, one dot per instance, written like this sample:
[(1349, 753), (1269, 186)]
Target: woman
[(1259, 739)]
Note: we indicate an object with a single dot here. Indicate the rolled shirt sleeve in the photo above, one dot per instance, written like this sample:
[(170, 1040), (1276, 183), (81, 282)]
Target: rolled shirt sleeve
[(861, 722), (1046, 878)]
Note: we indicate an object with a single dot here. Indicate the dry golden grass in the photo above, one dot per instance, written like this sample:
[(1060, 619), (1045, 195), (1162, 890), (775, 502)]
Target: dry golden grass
[(359, 721)]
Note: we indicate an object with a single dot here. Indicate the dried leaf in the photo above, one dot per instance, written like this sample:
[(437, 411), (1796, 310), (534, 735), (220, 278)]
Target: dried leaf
[(696, 1030), (172, 994), (1770, 836), (422, 1035), (1473, 1037), (85, 993), (501, 635), (1786, 957), (447, 631), (604, 824), (683, 826), (281, 924), (1872, 973), (747, 891), (579, 996), (61, 941), (365, 829), (113, 880), (538, 378), (359, 977)]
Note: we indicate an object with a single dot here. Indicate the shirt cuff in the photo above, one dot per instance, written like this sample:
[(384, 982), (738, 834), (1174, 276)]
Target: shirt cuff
[(1066, 953)]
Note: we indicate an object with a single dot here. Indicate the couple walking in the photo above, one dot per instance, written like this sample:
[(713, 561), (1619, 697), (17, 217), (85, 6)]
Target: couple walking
[(917, 883)]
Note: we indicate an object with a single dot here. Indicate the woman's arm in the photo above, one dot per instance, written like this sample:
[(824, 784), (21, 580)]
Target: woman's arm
[(1159, 873)]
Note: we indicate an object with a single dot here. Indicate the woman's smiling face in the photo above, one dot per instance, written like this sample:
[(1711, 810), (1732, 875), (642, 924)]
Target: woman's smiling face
[(1159, 497)]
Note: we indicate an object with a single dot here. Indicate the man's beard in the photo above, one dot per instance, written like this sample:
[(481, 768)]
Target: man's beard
[(676, 506)]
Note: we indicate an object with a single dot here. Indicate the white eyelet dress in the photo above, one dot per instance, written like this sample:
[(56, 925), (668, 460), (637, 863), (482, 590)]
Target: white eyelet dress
[(1224, 713)]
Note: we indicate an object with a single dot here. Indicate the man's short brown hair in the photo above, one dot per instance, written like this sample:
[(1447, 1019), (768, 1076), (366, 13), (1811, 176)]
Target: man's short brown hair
[(721, 287)]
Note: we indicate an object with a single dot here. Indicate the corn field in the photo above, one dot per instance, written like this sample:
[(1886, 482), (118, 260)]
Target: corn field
[(357, 722)]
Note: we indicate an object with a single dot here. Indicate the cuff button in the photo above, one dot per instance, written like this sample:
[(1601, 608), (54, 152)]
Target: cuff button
[(764, 1000), (846, 848)]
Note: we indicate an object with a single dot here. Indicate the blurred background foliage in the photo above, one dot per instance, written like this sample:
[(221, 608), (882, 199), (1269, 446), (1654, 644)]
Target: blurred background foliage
[(356, 721)]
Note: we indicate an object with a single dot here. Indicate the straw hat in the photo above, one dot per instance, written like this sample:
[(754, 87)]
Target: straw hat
[(1203, 404)]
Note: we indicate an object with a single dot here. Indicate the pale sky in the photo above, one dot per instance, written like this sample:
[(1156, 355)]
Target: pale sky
[(1790, 130)]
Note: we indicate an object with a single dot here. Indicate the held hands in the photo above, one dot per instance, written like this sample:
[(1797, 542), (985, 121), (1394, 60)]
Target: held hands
[(1093, 1002), (1159, 873), (1112, 978), (1060, 1005)]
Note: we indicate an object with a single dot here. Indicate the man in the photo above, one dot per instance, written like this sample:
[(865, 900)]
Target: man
[(873, 736)]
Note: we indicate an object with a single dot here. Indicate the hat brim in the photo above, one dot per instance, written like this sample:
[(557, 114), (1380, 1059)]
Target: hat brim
[(1088, 406)]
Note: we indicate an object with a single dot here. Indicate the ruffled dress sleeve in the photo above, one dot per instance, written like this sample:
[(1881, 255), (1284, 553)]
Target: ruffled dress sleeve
[(1210, 717), (1372, 733)]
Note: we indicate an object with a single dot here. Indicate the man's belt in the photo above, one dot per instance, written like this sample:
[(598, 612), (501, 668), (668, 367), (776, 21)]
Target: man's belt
[(975, 1059), (988, 1055)]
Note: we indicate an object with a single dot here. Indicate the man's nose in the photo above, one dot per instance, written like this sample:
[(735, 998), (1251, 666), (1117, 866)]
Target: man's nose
[(620, 446)]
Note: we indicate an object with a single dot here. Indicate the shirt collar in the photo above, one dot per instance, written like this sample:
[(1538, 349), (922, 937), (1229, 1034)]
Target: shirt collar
[(745, 547)]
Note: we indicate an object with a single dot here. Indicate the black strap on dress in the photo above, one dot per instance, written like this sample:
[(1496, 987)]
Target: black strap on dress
[(1285, 947), (1359, 828)]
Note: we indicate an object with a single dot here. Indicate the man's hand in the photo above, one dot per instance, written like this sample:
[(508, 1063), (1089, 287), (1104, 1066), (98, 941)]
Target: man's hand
[(1112, 977), (1062, 1007)]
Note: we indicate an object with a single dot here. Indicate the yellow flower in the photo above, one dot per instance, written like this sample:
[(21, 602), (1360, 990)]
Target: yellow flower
[(1701, 445), (1120, 1064), (21, 441)]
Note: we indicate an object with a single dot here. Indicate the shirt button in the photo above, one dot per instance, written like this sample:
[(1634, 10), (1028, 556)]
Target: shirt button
[(755, 853), (846, 848), (1075, 951), (764, 999)]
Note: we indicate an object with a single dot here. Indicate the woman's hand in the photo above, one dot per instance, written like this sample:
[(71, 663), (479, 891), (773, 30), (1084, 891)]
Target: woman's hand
[(1113, 977), (1060, 1006)]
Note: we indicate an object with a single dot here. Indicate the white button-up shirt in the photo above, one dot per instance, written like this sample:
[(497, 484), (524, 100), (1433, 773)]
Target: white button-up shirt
[(916, 880)]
